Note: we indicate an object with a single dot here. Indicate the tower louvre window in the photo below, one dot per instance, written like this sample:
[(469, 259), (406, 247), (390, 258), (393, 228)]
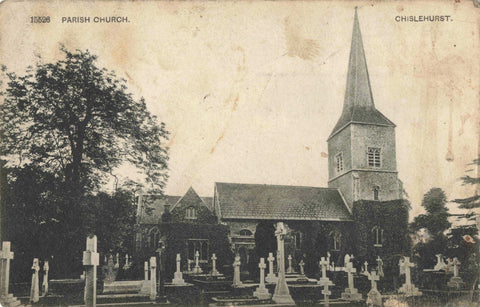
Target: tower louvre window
[(373, 156), (339, 162)]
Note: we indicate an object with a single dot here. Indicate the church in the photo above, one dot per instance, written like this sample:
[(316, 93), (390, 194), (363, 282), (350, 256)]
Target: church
[(361, 212)]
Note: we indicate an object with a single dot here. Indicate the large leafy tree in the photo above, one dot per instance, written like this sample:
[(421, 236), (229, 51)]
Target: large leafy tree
[(78, 121), (66, 126)]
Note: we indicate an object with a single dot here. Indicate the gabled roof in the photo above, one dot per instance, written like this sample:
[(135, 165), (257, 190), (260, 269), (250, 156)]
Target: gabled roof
[(280, 202), (358, 106), (190, 198), (156, 203)]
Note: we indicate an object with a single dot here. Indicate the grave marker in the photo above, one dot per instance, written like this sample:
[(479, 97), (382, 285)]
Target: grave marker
[(153, 279), (374, 297), (290, 268), (236, 272), (90, 261), (45, 278), (178, 275), (380, 266), (197, 269), (408, 288), (262, 292), (214, 271), (145, 268), (281, 294), (456, 281), (441, 265), (5, 256), (271, 278), (350, 293), (34, 290)]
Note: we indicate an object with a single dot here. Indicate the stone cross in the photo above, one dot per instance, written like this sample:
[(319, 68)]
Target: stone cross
[(5, 256), (45, 278), (290, 269), (281, 294), (441, 265), (346, 260), (261, 292), (117, 263), (145, 268), (328, 259), (373, 277), (408, 287), (197, 268), (326, 294), (34, 291), (236, 272), (380, 267), (127, 263), (374, 298), (214, 271), (153, 279), (91, 259), (323, 264), (350, 293), (365, 267), (455, 266), (271, 276), (178, 275), (301, 265)]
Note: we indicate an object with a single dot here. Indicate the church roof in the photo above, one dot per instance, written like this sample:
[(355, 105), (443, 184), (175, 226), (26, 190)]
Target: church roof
[(279, 202), (358, 106), (190, 198)]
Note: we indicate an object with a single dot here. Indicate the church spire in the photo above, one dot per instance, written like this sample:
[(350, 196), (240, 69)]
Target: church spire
[(358, 105)]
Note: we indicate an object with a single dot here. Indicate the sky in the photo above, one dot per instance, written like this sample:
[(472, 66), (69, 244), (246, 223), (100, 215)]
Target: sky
[(250, 90)]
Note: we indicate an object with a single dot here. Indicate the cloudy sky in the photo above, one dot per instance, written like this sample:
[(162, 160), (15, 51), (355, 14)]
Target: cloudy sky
[(250, 91)]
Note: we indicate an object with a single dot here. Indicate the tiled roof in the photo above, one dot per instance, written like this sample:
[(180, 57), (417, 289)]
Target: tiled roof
[(208, 202), (278, 202), (155, 204)]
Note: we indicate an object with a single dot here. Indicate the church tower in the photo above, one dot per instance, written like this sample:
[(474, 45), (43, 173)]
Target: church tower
[(361, 147)]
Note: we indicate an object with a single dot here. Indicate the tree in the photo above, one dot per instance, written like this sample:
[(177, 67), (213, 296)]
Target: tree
[(66, 126), (436, 223), (78, 121)]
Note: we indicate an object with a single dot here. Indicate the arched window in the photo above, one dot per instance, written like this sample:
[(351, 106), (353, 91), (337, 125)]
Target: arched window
[(191, 213), (154, 238), (376, 190), (336, 240), (245, 232), (377, 233)]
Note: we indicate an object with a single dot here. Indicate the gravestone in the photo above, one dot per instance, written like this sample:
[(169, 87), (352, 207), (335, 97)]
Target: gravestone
[(380, 267), (324, 279), (110, 275), (178, 275), (34, 290), (441, 265), (127, 262), (302, 277), (145, 268), (456, 281), (153, 279), (374, 298), (117, 263), (45, 278), (5, 256), (408, 288), (236, 272), (365, 269), (214, 271), (262, 292), (290, 268), (271, 277), (90, 260), (197, 269), (346, 260), (281, 294), (350, 293)]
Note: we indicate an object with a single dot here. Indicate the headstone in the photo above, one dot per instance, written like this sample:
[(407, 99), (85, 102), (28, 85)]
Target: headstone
[(365, 269), (290, 268), (214, 271), (271, 277), (456, 281), (302, 267), (90, 260), (117, 263), (197, 269), (346, 260), (178, 275), (326, 294), (236, 272), (441, 265), (127, 263), (110, 275), (145, 268), (328, 259), (262, 292), (380, 267), (5, 256), (324, 279), (189, 265), (408, 288), (153, 279), (374, 298), (351, 294), (281, 294), (34, 290), (46, 268)]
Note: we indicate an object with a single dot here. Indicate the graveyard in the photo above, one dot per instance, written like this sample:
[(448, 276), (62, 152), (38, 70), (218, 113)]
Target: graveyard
[(280, 283)]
